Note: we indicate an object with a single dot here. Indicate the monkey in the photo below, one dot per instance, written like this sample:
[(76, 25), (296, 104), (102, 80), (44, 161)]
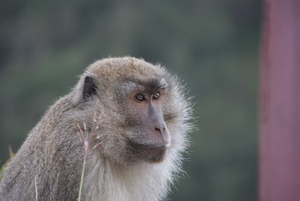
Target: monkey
[(119, 135)]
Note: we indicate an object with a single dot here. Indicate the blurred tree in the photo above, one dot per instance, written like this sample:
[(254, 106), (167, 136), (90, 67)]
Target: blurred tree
[(212, 45)]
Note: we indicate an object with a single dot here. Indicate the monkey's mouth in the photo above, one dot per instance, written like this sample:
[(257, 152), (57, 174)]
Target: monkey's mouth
[(147, 147)]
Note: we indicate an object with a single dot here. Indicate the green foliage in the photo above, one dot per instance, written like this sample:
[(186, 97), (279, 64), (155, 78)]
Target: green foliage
[(212, 45), (11, 154), (1, 170)]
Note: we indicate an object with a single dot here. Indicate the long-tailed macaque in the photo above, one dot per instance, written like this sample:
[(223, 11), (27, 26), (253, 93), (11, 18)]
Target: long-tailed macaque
[(117, 136)]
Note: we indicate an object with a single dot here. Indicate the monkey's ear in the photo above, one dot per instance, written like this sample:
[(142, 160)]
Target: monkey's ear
[(89, 88)]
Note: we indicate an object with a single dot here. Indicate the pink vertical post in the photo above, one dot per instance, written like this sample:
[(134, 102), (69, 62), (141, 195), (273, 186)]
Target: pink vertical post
[(279, 133)]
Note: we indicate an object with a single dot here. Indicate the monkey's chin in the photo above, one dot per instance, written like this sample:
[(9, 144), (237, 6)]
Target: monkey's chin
[(150, 153)]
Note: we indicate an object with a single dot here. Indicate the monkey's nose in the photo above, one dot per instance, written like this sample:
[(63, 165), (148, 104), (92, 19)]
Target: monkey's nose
[(164, 131), (158, 129)]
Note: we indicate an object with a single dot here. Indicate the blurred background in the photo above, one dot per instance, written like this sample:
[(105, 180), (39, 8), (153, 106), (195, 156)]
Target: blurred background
[(212, 45)]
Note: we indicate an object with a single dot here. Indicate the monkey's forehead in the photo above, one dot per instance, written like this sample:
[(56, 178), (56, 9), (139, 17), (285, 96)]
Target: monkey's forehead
[(150, 85), (116, 68)]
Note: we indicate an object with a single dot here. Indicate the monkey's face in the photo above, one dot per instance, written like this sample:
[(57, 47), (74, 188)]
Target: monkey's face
[(133, 98), (143, 134), (148, 136)]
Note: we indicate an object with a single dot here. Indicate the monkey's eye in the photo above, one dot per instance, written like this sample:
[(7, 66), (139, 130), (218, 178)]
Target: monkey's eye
[(156, 95), (140, 97)]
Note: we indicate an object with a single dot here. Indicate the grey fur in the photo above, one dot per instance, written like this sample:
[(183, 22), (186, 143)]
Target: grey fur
[(49, 163)]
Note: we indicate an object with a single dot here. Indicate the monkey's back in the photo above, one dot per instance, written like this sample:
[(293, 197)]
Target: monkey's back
[(38, 170)]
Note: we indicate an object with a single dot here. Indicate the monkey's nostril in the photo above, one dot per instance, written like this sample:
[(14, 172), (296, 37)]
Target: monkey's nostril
[(158, 129)]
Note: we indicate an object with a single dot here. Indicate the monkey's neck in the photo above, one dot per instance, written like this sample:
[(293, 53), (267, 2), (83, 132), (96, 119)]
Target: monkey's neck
[(144, 181)]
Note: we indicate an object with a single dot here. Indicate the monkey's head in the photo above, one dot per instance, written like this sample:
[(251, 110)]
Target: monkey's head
[(145, 110)]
